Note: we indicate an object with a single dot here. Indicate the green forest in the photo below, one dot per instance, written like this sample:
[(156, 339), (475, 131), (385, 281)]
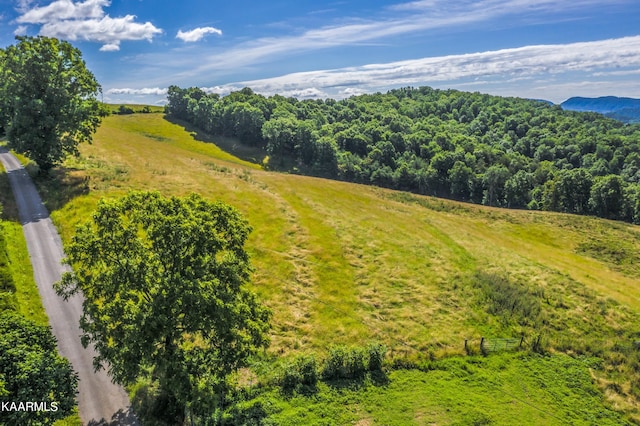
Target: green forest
[(504, 152)]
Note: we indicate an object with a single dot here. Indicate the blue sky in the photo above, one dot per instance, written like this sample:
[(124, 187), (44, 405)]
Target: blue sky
[(542, 49)]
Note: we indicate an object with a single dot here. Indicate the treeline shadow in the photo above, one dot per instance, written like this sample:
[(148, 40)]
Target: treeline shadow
[(230, 145), (59, 186)]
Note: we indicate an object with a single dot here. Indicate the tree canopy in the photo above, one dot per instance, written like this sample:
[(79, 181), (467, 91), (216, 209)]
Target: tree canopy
[(164, 286), (31, 370), (48, 99), (498, 151)]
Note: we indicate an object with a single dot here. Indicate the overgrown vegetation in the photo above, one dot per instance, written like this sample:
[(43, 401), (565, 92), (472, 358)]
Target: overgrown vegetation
[(485, 149)]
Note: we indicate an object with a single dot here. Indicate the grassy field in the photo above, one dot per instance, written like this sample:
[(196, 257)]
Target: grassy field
[(341, 263)]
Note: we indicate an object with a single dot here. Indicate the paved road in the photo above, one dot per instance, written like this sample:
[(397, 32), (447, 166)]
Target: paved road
[(100, 402)]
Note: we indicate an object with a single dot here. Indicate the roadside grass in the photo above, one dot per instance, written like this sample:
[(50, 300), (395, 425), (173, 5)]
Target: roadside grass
[(340, 263)]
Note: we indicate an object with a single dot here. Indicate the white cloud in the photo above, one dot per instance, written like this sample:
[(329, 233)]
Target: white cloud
[(145, 91), (86, 21), (197, 34), (64, 9), (20, 31), (110, 47)]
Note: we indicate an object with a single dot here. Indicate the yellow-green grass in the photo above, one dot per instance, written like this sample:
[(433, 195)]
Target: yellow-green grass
[(340, 263)]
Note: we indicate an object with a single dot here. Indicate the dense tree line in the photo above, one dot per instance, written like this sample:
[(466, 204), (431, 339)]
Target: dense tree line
[(497, 151)]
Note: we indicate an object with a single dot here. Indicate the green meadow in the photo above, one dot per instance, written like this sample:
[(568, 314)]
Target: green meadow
[(347, 264)]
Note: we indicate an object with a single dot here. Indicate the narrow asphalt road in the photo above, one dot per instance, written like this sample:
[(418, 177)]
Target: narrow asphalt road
[(100, 402)]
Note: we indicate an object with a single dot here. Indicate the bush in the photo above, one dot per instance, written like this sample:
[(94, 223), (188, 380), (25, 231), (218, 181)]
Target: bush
[(355, 366), (308, 368), (344, 363), (301, 372), (8, 301), (6, 280), (377, 353), (125, 110), (334, 365)]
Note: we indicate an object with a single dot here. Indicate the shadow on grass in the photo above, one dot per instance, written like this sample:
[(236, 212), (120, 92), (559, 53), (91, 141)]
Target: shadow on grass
[(60, 186), (375, 378), (227, 144)]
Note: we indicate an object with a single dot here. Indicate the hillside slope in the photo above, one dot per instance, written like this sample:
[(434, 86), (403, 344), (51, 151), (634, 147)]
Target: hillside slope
[(342, 263)]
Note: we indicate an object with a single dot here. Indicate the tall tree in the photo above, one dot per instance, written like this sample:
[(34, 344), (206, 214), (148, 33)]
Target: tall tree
[(607, 197), (163, 280), (494, 180), (48, 99)]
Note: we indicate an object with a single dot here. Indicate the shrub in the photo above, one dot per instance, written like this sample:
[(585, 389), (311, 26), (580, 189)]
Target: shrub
[(334, 365), (377, 353), (308, 369), (344, 363), (125, 110), (303, 371)]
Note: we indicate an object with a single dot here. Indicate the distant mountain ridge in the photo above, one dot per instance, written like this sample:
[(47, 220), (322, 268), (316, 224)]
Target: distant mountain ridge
[(626, 110)]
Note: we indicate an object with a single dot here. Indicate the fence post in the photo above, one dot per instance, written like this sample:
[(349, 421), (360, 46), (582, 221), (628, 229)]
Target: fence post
[(482, 345), (521, 340)]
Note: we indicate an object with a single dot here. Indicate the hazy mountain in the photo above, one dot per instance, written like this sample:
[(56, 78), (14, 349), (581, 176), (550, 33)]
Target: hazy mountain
[(623, 109)]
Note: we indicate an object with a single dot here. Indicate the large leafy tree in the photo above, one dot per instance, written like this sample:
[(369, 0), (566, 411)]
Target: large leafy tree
[(163, 281), (48, 99)]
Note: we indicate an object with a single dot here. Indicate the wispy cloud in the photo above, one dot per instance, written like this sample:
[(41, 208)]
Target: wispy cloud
[(85, 21), (518, 66), (197, 34), (523, 63), (21, 30)]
